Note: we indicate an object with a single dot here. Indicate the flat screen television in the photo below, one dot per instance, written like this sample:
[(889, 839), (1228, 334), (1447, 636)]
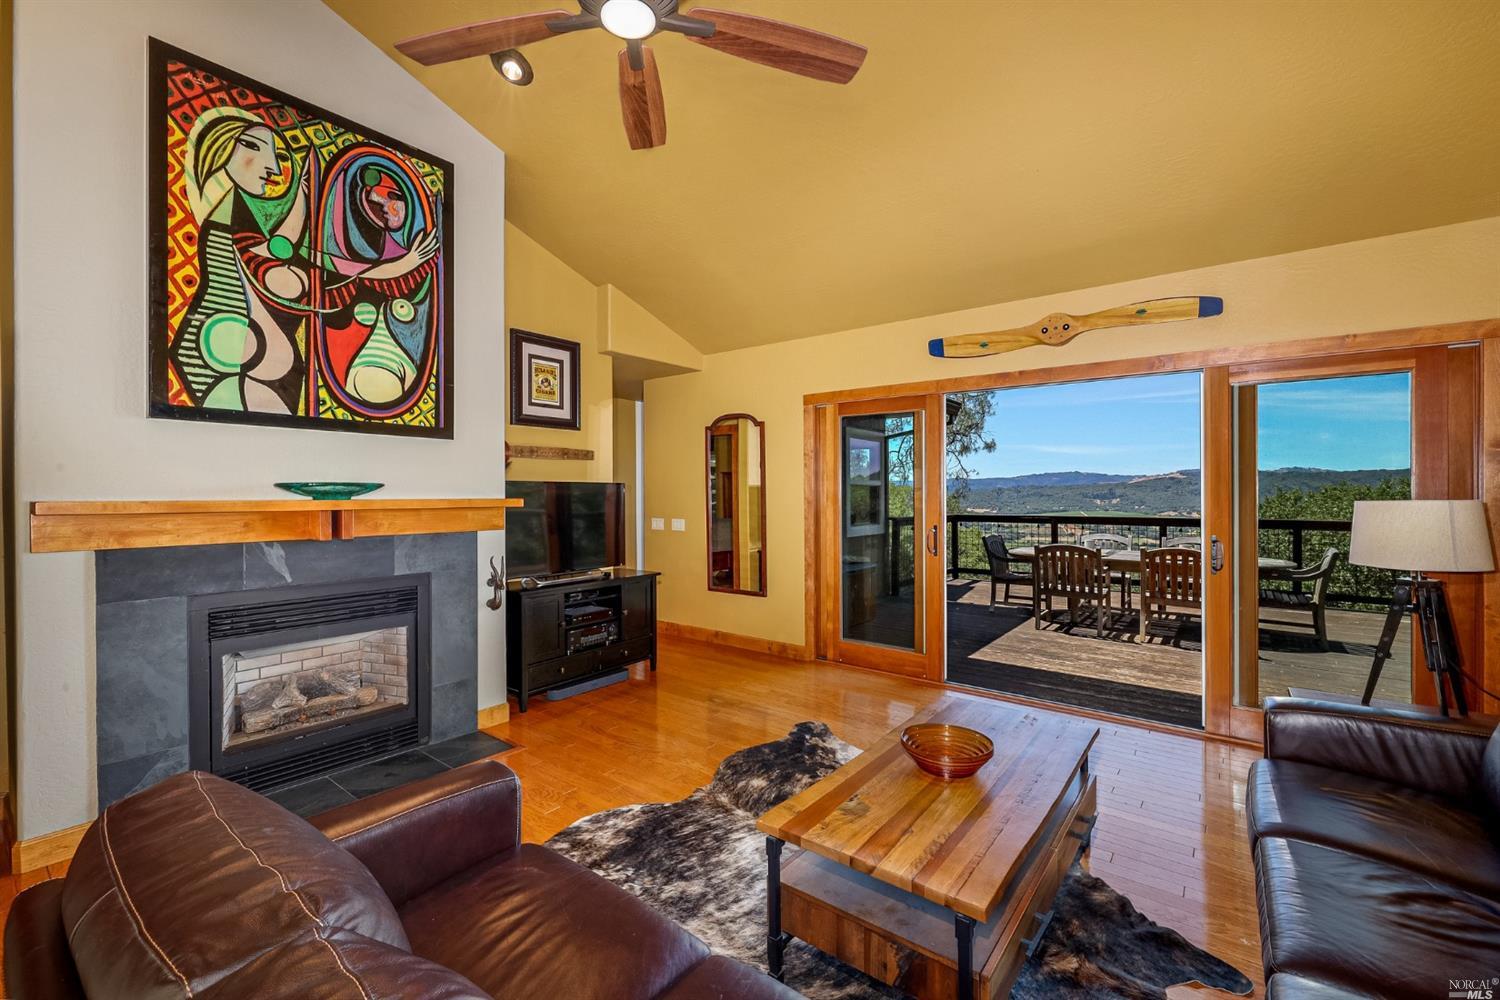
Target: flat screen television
[(564, 527)]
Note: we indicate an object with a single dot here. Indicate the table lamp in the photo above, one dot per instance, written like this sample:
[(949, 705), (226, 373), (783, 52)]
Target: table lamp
[(1419, 537)]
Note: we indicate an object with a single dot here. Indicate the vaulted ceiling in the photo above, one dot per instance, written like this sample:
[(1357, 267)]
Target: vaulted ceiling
[(987, 151)]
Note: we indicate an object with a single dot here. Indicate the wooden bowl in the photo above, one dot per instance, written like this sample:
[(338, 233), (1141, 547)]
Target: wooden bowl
[(949, 752)]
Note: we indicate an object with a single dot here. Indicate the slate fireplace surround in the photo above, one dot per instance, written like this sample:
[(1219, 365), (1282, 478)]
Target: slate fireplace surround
[(144, 689)]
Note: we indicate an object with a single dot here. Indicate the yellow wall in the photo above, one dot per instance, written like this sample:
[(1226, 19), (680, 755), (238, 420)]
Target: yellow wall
[(6, 278), (628, 329), (544, 295), (1438, 275), (625, 444)]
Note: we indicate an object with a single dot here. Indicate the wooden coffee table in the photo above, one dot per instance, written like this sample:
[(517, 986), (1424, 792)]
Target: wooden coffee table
[(898, 862)]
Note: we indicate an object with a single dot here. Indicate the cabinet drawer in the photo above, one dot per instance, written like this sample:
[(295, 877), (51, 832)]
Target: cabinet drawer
[(555, 671), (624, 653)]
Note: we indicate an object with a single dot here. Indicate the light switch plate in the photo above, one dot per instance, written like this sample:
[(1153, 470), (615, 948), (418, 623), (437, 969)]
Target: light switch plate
[(658, 523), (678, 524)]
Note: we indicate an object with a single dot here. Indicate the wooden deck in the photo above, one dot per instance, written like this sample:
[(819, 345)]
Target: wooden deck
[(1162, 678)]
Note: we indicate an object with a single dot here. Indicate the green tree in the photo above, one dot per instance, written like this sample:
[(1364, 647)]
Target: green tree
[(966, 438), (1331, 502)]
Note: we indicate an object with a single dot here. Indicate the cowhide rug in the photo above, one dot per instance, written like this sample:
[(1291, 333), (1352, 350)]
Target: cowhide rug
[(702, 863)]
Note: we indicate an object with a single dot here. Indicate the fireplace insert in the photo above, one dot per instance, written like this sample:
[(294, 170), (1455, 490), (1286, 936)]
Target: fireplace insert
[(291, 682)]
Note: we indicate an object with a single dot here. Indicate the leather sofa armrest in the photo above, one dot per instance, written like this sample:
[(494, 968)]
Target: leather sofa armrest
[(416, 835), (1414, 749), (38, 961)]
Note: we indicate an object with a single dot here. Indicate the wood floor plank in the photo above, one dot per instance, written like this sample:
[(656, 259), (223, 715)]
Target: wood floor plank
[(1173, 816), (1171, 831)]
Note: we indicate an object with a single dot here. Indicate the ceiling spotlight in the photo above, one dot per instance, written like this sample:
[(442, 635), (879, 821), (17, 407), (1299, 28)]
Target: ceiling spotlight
[(513, 66), (628, 19)]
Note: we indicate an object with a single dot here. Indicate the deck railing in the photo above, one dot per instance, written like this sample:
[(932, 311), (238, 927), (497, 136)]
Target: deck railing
[(1302, 541)]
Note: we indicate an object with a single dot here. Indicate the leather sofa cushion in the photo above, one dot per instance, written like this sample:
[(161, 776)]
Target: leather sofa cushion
[(1489, 774), (1422, 832), (1285, 987), (38, 965), (720, 978), (1368, 926), (531, 923), (176, 887), (366, 970)]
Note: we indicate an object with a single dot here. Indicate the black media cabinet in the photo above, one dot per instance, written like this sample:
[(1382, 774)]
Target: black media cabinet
[(559, 635)]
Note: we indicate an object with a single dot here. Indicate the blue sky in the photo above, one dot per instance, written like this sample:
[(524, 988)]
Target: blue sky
[(1150, 425)]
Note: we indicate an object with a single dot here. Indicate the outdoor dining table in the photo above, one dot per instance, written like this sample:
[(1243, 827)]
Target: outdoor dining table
[(1129, 561)]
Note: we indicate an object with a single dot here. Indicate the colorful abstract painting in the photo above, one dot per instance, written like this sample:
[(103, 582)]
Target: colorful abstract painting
[(301, 270)]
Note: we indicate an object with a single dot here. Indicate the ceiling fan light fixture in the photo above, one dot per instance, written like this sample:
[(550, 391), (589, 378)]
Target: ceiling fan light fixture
[(513, 66), (628, 19)]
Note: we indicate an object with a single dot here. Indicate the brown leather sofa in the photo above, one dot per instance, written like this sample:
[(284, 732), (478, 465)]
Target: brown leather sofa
[(199, 887), (1376, 837)]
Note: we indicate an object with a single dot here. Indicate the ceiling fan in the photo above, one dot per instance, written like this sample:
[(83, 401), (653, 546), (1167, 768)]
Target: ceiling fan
[(771, 43)]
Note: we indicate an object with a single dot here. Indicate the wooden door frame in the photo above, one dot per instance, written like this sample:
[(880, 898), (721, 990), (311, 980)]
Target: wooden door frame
[(825, 482), (1444, 465), (1484, 332)]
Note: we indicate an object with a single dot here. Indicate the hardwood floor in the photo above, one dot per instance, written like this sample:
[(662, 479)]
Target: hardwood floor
[(1171, 831)]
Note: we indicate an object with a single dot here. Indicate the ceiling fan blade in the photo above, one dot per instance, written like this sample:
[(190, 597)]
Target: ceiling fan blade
[(1059, 328), (640, 100), (781, 45), (480, 38)]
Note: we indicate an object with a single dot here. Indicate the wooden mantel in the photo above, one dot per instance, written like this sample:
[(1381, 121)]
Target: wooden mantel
[(90, 525)]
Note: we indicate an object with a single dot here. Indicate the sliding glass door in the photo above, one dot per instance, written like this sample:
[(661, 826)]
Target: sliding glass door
[(884, 524), (1266, 591), (1296, 445)]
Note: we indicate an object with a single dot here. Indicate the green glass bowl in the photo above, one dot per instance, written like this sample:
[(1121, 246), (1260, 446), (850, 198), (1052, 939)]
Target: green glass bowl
[(329, 491)]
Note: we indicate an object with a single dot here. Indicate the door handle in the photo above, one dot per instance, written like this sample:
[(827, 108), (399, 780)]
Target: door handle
[(1215, 553), (932, 540)]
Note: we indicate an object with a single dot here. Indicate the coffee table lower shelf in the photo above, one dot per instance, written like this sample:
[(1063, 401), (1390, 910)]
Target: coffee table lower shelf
[(912, 943)]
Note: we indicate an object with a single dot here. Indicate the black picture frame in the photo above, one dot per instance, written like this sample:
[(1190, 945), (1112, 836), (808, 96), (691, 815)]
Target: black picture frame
[(522, 406), (158, 399)]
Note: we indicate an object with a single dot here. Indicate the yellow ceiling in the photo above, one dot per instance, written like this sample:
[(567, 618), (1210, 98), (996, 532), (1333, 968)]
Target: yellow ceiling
[(987, 151)]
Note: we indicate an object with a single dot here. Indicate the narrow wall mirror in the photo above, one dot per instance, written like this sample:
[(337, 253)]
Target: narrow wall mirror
[(736, 463)]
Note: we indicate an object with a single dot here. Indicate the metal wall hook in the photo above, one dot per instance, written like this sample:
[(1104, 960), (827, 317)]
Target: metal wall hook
[(497, 581)]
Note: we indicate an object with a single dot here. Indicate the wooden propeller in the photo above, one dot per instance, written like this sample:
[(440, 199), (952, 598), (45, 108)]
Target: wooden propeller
[(1059, 328)]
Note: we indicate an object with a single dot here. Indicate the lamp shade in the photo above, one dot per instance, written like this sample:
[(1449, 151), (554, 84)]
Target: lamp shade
[(1426, 536)]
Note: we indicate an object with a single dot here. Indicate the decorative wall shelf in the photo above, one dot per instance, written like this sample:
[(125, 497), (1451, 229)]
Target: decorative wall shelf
[(89, 525), (549, 452)]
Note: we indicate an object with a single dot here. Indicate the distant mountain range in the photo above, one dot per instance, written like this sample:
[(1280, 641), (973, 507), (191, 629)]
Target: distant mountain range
[(1178, 492)]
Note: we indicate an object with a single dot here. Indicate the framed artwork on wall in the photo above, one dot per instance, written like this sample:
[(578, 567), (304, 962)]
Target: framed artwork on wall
[(543, 381), (301, 269)]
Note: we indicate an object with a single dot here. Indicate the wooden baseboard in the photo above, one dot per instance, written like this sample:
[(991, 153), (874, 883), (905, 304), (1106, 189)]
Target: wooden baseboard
[(495, 715), (48, 849), (753, 643)]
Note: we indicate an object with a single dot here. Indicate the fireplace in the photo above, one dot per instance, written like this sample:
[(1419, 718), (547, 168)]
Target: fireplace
[(290, 682)]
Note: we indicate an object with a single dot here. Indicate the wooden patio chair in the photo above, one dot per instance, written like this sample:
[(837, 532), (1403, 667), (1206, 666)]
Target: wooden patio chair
[(1315, 601), (1103, 541), (1073, 572), (1000, 566), (1186, 542), (1171, 577)]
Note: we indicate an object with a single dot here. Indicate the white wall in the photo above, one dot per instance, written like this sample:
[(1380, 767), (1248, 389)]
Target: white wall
[(81, 429)]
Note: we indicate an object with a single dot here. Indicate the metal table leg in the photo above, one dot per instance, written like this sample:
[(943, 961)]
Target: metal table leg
[(964, 927), (776, 939)]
